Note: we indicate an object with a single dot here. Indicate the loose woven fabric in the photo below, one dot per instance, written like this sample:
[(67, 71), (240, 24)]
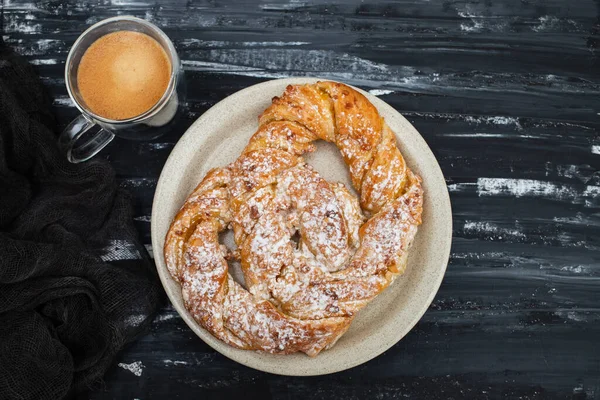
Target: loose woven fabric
[(297, 297), (64, 313)]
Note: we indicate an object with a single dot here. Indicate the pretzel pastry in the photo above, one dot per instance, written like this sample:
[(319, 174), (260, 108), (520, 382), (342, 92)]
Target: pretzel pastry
[(297, 297)]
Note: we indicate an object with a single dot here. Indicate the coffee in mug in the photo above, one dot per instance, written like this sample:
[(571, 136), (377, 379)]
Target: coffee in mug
[(123, 74)]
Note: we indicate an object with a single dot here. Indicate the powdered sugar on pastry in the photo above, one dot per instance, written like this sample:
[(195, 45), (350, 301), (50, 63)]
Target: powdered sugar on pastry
[(302, 294)]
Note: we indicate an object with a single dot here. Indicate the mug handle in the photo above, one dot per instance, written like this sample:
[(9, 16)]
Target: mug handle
[(77, 153)]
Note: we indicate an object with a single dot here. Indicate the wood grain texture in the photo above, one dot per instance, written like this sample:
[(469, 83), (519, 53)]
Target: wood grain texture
[(507, 95)]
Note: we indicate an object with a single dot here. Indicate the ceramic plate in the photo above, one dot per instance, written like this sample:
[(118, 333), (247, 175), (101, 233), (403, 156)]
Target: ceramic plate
[(218, 137)]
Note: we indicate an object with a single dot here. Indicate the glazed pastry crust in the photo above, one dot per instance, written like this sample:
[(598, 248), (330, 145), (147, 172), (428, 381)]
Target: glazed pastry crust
[(299, 297)]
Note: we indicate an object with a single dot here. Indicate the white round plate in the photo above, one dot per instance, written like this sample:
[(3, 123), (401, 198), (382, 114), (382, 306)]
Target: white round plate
[(218, 137)]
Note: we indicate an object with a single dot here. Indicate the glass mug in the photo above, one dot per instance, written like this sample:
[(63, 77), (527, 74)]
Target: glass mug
[(76, 140)]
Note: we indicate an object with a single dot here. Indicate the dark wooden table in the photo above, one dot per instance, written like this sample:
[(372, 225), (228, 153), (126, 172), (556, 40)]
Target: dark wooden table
[(506, 93)]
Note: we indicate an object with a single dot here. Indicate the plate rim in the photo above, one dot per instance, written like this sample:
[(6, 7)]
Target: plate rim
[(195, 327)]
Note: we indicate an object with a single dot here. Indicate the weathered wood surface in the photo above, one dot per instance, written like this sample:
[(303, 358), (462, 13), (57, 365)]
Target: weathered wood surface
[(506, 93)]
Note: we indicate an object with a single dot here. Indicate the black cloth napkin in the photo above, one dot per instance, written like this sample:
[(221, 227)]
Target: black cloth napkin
[(64, 312)]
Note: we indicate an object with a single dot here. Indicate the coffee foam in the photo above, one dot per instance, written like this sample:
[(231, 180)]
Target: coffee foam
[(123, 74)]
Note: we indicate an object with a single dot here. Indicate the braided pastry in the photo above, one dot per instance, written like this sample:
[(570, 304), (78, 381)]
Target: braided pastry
[(297, 297)]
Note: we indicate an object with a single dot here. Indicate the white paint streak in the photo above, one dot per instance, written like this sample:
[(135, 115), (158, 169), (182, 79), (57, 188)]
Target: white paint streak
[(326, 64), (47, 44), (43, 48), (165, 317), (460, 187), (596, 149), (64, 101), (13, 26), (549, 22), (497, 120), (592, 191), (490, 135), (467, 14), (480, 20), (159, 146), (579, 390), (492, 231), (583, 173), (546, 22), (579, 219), (457, 117), (171, 362), (478, 256), (44, 62), (149, 17), (476, 26), (223, 43), (217, 67), (135, 367), (534, 188), (292, 5), (380, 92), (129, 3), (572, 316), (8, 5), (280, 62), (575, 269)]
